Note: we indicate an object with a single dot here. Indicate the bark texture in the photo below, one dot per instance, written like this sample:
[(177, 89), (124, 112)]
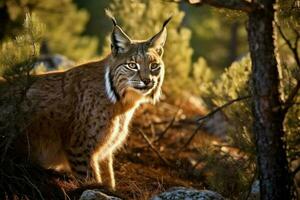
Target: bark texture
[(4, 17), (268, 116)]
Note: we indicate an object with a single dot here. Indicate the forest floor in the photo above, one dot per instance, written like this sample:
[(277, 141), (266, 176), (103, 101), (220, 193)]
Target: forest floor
[(159, 153), (150, 161)]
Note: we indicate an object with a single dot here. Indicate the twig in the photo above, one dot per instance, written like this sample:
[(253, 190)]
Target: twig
[(153, 148), (35, 187), (162, 134), (161, 122), (240, 5), (200, 122), (191, 138), (290, 100), (223, 106), (197, 163), (152, 129), (296, 171), (294, 49), (251, 184)]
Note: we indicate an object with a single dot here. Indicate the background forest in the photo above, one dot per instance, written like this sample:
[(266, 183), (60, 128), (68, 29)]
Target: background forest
[(207, 65)]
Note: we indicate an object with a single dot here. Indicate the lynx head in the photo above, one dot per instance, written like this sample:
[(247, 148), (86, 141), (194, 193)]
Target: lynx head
[(135, 67)]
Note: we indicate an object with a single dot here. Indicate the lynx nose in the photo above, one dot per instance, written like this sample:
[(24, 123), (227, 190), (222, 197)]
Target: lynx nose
[(147, 81)]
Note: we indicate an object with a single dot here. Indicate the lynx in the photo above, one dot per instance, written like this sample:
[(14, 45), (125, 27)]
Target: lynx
[(81, 116)]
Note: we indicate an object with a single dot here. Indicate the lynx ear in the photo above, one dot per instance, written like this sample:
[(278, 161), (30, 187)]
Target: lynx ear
[(120, 42), (158, 41)]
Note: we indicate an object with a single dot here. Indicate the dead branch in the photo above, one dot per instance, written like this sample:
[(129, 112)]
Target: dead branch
[(290, 100), (193, 122), (254, 177), (296, 171), (34, 186), (191, 137), (223, 106), (294, 49), (162, 134), (240, 5), (200, 121), (153, 148)]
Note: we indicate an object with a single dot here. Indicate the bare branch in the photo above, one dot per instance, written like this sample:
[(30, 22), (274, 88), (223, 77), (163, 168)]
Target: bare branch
[(200, 120), (223, 106), (290, 100), (153, 148), (241, 5), (254, 177), (296, 170), (191, 138), (162, 134), (294, 49)]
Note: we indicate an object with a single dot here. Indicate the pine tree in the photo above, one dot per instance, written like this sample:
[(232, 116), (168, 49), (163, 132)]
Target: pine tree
[(219, 35), (16, 66), (141, 19), (64, 24)]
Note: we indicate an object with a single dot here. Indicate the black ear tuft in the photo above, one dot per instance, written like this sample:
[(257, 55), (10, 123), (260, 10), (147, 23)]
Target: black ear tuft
[(120, 42), (158, 41), (167, 21), (110, 15)]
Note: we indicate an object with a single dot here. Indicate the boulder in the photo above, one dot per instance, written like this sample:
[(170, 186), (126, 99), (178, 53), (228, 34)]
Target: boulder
[(182, 193)]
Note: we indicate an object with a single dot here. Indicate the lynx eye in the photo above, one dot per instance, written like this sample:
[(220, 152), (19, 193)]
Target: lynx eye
[(133, 66), (154, 66)]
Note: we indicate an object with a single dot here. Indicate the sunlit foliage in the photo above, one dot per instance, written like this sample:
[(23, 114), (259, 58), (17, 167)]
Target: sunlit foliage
[(234, 83), (64, 23), (16, 67)]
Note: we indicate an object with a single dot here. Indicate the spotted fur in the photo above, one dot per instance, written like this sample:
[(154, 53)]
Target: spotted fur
[(81, 116)]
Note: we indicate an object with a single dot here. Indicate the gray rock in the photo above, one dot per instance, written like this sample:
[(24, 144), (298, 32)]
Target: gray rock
[(255, 191), (54, 61), (182, 193), (96, 195)]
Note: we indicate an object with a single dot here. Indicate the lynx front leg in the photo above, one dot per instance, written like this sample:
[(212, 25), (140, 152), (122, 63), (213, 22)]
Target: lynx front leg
[(84, 166), (107, 172)]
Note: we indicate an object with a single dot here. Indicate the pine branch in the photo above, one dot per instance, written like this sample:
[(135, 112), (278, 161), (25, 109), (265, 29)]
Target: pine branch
[(241, 5)]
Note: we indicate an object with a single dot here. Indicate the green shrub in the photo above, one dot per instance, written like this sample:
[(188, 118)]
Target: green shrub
[(16, 67), (234, 83), (63, 20)]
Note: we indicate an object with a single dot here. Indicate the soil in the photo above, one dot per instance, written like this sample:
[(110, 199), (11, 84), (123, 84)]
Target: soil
[(142, 170)]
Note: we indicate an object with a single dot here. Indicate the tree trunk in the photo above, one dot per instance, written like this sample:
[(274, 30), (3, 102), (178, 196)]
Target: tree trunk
[(4, 18), (268, 117), (233, 43)]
